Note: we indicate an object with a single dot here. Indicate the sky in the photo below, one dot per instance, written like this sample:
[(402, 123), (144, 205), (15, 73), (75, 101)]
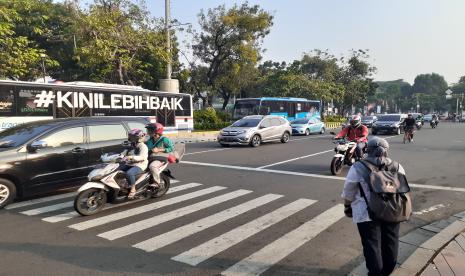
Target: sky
[(404, 37)]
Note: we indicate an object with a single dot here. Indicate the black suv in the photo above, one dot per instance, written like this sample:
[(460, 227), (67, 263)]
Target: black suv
[(45, 156), (389, 123)]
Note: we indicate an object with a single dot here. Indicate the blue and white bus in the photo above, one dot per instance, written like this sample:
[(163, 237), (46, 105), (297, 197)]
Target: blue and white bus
[(289, 108)]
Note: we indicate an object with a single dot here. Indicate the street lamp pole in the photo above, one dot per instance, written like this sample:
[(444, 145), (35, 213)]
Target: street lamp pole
[(42, 58), (168, 38)]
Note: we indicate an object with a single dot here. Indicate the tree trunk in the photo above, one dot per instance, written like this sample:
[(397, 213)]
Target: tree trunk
[(120, 71), (226, 95)]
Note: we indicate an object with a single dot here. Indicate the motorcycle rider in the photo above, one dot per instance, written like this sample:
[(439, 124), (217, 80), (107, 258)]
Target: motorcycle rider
[(435, 119), (158, 145), (409, 124), (356, 132), (136, 158)]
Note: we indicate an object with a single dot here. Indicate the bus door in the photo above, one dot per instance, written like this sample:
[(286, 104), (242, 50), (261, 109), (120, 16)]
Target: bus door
[(166, 117)]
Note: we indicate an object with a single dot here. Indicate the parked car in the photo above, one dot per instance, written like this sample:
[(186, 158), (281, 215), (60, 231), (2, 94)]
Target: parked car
[(45, 156), (428, 117), (389, 123), (369, 120), (256, 129), (462, 118), (306, 126)]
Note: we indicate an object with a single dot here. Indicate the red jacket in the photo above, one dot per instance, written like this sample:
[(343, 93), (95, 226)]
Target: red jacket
[(358, 134)]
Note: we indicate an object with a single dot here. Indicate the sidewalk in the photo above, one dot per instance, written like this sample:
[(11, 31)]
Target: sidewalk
[(437, 249)]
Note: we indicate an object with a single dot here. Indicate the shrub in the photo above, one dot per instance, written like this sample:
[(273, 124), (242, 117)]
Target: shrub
[(210, 119), (335, 119)]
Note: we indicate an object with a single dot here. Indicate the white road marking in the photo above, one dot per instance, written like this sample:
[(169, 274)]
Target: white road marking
[(430, 209), (307, 138), (48, 209), (197, 152), (420, 186), (202, 224), (294, 159), (274, 252), (39, 200), (215, 246), (73, 214), (142, 209), (157, 220)]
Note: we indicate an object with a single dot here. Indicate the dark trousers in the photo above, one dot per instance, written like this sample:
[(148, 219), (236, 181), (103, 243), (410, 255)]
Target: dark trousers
[(359, 149), (380, 242)]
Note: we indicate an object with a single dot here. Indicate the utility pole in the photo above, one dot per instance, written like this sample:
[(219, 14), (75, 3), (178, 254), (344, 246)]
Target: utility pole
[(168, 38), (42, 58), (168, 84)]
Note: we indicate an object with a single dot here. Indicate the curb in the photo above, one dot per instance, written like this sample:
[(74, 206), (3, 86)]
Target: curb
[(427, 251), (419, 247)]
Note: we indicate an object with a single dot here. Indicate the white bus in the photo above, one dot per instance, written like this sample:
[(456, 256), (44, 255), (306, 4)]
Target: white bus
[(22, 102)]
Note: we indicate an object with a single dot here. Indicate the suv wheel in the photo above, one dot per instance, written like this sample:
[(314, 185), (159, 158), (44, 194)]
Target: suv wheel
[(322, 131), (7, 192), (255, 141), (307, 132), (285, 137)]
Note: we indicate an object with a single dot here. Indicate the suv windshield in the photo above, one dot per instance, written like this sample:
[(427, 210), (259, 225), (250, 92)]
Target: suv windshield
[(367, 118), (300, 122), (247, 123), (19, 135), (389, 118)]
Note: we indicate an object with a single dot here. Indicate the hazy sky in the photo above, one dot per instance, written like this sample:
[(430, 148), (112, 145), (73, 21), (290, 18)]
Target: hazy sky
[(405, 37)]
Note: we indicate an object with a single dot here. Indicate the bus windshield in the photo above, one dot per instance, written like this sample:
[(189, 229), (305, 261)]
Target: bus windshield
[(245, 108)]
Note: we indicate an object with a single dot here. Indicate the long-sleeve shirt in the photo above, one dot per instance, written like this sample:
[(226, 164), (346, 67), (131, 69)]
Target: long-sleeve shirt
[(139, 156), (162, 142), (351, 192), (358, 134)]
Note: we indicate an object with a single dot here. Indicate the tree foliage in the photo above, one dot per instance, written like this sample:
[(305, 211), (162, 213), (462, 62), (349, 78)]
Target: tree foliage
[(228, 43), (25, 26)]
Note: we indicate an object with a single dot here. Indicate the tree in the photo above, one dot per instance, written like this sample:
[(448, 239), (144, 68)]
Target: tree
[(430, 84), (230, 40), (430, 89), (356, 72), (19, 54), (121, 44)]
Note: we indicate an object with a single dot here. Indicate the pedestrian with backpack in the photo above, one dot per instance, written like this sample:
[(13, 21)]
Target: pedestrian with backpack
[(377, 197)]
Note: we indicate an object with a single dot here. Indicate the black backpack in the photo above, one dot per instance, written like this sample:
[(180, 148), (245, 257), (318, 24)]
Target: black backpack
[(390, 198)]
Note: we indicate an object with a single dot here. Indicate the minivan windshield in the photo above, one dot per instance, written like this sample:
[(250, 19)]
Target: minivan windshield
[(389, 118), (19, 135), (247, 123)]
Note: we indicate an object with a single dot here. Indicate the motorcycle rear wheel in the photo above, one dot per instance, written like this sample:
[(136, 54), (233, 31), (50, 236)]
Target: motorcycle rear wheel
[(90, 202), (336, 165), (164, 186)]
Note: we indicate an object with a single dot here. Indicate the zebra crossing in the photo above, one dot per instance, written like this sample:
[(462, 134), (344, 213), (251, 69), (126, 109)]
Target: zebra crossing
[(51, 210)]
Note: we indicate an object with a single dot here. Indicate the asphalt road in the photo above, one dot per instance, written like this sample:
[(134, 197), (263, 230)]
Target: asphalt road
[(271, 210)]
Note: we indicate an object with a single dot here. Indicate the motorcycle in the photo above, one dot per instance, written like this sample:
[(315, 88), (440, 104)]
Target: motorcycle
[(433, 124), (408, 135), (345, 154), (108, 184), (419, 124)]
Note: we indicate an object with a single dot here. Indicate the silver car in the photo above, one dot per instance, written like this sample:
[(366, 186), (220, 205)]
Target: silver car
[(254, 130)]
